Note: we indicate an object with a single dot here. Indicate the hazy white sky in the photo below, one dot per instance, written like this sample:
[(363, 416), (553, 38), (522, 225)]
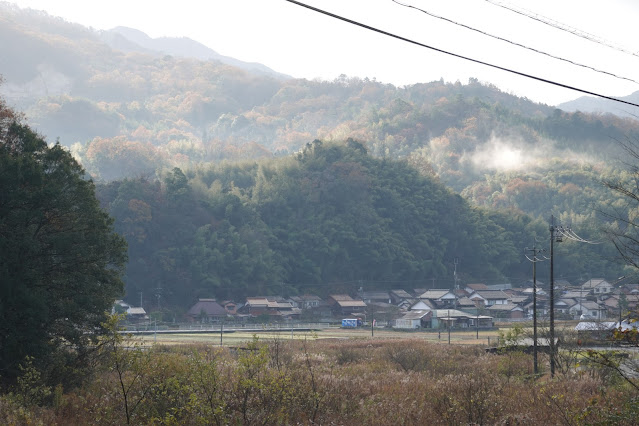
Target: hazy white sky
[(305, 44)]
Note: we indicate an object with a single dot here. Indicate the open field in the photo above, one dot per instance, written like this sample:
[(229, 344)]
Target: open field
[(486, 338)]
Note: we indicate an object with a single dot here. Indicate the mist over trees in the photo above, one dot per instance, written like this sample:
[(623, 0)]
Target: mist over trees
[(213, 178)]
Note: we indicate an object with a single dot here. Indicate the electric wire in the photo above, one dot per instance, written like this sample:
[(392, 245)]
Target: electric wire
[(522, 74), (541, 52), (563, 27)]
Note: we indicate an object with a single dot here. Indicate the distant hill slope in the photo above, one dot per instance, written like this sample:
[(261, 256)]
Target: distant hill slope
[(594, 105), (132, 40), (131, 111)]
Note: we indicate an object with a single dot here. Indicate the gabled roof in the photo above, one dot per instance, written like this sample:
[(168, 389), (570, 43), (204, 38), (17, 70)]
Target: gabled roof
[(375, 295), (207, 306), (505, 307), (531, 290), (575, 294), (416, 315), (519, 299), (454, 313), (477, 286), (338, 297), (425, 302), (562, 283), (263, 302), (491, 294), (595, 326), (401, 294), (566, 302), (465, 301), (436, 294), (351, 303), (135, 311), (505, 286), (595, 282), (591, 306)]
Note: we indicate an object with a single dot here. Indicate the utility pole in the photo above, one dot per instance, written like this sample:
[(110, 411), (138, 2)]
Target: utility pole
[(557, 233), (535, 251), (449, 324), (372, 323), (455, 272), (553, 230)]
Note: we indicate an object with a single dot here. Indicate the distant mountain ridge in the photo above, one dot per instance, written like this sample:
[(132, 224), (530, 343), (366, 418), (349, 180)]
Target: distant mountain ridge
[(594, 105), (133, 40)]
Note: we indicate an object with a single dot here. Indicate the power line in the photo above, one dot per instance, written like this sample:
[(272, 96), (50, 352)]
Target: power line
[(386, 33), (563, 27), (514, 43)]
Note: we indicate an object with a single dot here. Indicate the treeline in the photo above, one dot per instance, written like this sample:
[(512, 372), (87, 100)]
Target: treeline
[(330, 218)]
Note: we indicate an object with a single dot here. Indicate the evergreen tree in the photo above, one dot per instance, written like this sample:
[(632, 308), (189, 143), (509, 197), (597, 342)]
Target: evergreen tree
[(60, 261)]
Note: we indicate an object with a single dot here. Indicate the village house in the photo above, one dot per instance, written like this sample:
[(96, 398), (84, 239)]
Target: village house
[(206, 310), (441, 298), (471, 288), (588, 309), (414, 320), (597, 286), (375, 297), (563, 305), (306, 301), (399, 296), (489, 297), (230, 307), (423, 305), (508, 310), (453, 318), (256, 306), (133, 313), (345, 305)]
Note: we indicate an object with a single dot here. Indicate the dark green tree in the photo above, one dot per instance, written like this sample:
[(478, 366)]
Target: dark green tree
[(60, 261)]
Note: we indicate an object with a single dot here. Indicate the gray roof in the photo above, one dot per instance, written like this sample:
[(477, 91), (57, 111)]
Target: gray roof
[(209, 306), (592, 306), (411, 315), (402, 294), (595, 326), (575, 294), (592, 283), (435, 294), (453, 313), (492, 294), (351, 303), (505, 307)]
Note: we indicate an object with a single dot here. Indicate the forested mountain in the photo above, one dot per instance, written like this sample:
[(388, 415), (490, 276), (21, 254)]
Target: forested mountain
[(330, 218), (604, 106), (132, 40), (212, 175)]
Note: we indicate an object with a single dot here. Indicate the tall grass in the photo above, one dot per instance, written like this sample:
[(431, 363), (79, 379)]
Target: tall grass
[(356, 382)]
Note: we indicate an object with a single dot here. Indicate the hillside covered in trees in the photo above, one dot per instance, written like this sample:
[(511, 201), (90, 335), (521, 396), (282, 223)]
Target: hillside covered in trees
[(330, 218), (214, 179)]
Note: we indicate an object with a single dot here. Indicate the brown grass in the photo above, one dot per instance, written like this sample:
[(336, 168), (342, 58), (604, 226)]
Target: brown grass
[(347, 382)]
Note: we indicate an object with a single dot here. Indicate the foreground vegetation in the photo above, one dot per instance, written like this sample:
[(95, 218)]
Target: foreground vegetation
[(362, 381)]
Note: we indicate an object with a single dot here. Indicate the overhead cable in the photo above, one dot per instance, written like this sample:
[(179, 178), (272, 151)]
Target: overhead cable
[(563, 27), (541, 52), (386, 33)]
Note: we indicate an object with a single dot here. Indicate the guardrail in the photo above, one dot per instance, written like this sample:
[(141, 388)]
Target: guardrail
[(225, 328)]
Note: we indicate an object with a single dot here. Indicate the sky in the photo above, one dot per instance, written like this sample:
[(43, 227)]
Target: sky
[(305, 44)]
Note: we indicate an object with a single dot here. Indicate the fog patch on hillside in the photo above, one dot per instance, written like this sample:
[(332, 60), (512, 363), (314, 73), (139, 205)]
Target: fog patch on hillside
[(507, 155)]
